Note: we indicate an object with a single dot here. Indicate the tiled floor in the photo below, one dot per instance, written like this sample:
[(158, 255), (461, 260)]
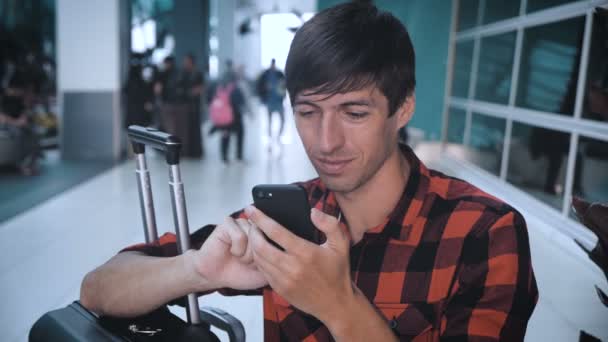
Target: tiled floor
[(20, 193), (47, 250)]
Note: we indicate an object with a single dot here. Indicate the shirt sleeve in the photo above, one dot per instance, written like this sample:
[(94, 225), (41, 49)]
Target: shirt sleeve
[(166, 246), (495, 292)]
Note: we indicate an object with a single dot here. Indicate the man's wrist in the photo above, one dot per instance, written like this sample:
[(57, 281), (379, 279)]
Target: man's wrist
[(339, 321), (359, 320), (196, 282)]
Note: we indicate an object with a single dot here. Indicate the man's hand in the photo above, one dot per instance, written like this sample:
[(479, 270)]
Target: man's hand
[(315, 279), (226, 259), (147, 282)]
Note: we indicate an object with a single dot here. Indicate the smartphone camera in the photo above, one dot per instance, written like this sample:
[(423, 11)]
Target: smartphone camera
[(260, 194)]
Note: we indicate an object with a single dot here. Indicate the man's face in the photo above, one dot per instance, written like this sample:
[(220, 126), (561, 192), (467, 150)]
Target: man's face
[(348, 136)]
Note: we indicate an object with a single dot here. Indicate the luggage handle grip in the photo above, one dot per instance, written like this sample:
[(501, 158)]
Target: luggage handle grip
[(141, 136)]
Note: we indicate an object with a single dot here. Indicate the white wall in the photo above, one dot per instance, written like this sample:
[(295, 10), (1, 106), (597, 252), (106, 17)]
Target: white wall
[(247, 49), (225, 32), (247, 52), (88, 45)]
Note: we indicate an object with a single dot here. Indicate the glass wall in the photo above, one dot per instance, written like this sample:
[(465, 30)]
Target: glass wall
[(494, 71), (549, 66), (528, 102), (537, 157), (462, 69)]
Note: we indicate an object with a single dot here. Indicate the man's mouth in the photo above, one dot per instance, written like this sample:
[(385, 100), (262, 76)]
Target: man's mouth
[(332, 166)]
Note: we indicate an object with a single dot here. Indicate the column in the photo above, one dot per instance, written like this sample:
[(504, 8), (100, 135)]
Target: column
[(92, 59), (191, 26)]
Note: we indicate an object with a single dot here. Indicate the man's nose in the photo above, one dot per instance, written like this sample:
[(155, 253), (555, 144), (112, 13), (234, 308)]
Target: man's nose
[(331, 134)]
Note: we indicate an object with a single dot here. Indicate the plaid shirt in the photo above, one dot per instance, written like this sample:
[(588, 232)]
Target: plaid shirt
[(450, 262)]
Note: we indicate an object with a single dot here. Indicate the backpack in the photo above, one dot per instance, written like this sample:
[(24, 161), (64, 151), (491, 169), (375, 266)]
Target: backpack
[(260, 86), (220, 111)]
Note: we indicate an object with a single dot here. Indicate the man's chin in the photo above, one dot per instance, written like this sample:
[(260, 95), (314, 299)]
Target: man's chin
[(337, 184)]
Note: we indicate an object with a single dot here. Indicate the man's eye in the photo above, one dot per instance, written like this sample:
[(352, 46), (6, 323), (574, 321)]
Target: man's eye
[(356, 115), (305, 113)]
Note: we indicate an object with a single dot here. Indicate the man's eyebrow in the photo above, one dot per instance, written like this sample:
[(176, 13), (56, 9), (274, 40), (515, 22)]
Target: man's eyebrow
[(305, 102), (356, 103), (343, 104)]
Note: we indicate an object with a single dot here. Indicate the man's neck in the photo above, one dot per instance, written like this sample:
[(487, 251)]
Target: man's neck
[(369, 205)]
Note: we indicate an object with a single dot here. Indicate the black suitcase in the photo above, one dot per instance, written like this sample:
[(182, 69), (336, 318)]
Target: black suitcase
[(76, 323)]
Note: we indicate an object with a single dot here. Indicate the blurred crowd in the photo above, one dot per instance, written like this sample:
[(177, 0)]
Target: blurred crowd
[(27, 110), (174, 96), (177, 98)]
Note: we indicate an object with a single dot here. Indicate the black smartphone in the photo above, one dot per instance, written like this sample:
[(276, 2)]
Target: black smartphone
[(288, 205)]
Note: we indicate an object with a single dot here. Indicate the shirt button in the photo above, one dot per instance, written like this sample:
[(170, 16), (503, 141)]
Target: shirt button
[(393, 323)]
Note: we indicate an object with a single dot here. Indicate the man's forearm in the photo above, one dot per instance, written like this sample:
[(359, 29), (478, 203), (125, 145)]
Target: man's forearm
[(359, 321), (131, 284)]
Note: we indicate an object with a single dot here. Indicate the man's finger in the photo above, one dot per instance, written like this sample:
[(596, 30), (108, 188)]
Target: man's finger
[(271, 272), (272, 229), (330, 226), (245, 227), (238, 239), (262, 249)]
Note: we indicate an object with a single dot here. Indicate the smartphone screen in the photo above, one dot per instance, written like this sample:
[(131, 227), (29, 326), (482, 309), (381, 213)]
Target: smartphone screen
[(288, 205)]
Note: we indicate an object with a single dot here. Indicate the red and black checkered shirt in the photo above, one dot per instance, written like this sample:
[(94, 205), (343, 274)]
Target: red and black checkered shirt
[(450, 262)]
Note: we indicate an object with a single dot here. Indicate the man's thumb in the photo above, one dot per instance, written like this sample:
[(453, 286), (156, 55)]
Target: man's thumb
[(328, 225)]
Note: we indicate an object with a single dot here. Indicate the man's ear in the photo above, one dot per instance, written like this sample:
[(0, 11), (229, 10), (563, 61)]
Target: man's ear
[(406, 111)]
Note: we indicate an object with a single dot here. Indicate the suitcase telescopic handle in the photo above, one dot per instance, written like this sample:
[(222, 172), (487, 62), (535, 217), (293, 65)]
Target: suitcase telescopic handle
[(171, 145), (142, 136)]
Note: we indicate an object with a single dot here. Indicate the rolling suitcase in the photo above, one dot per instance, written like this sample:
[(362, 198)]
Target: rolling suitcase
[(76, 323)]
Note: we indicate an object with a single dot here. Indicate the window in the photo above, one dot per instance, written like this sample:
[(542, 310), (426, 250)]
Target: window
[(495, 68), (535, 88), (549, 66), (487, 136), (456, 126), (467, 14), (591, 171), (462, 69), (595, 106), (537, 159), (537, 5), (495, 10)]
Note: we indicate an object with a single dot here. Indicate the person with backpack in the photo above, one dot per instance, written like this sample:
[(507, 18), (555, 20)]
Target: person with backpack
[(226, 114), (271, 89)]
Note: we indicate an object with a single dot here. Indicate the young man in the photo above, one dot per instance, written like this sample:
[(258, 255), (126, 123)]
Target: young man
[(409, 252)]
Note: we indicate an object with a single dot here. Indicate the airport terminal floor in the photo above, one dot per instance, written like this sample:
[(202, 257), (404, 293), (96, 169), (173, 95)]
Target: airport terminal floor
[(49, 248)]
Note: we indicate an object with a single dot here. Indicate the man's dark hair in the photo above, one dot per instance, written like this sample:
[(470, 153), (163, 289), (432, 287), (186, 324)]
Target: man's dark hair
[(349, 47)]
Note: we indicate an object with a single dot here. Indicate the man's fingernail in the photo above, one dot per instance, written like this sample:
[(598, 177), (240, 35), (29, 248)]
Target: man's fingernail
[(316, 213), (249, 210)]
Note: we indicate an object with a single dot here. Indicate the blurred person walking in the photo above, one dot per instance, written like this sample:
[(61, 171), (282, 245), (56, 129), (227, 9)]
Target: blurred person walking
[(271, 90), (226, 112), (193, 84)]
